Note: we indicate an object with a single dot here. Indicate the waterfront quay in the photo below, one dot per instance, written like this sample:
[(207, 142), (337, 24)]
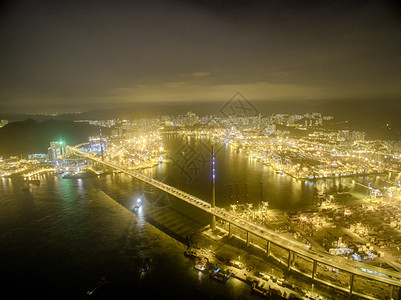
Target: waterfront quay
[(316, 156), (265, 276)]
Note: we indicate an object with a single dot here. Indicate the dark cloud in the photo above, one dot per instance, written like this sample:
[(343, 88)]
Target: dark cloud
[(75, 52)]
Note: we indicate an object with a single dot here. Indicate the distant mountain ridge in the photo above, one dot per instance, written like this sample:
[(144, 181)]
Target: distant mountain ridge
[(30, 136), (379, 118)]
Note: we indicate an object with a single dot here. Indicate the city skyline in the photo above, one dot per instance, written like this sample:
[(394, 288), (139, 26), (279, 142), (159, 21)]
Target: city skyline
[(74, 56)]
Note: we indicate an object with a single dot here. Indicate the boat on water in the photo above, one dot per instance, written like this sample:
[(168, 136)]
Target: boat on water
[(26, 189), (97, 286), (76, 175), (69, 175), (192, 252), (201, 263), (220, 275), (146, 265), (138, 203), (261, 289)]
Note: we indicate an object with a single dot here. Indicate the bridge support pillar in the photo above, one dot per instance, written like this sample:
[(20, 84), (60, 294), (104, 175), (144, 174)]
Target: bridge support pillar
[(268, 249), (230, 231), (248, 242), (213, 223), (314, 269), (351, 283), (289, 260)]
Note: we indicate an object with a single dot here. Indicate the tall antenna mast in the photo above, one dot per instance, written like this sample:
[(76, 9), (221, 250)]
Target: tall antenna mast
[(101, 142), (213, 204)]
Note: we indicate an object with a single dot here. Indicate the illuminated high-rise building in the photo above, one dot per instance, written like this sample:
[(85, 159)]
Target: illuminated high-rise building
[(57, 149), (358, 136)]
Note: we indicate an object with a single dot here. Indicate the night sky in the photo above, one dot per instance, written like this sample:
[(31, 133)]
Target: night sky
[(77, 55)]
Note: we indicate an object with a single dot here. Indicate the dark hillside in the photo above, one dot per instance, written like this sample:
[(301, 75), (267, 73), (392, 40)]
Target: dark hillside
[(30, 136)]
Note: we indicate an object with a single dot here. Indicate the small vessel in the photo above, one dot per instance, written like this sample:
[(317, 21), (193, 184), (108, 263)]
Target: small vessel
[(69, 175), (220, 275), (146, 265), (138, 203), (192, 252), (201, 263), (76, 175), (97, 286), (261, 289)]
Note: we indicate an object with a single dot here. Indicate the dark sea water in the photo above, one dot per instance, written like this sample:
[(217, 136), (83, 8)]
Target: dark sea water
[(60, 238)]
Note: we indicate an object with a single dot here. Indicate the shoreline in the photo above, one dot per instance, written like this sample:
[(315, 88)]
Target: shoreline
[(317, 178)]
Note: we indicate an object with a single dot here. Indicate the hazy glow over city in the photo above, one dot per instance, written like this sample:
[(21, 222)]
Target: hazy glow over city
[(73, 55)]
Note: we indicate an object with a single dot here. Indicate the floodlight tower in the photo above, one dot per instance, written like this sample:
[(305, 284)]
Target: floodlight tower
[(101, 146)]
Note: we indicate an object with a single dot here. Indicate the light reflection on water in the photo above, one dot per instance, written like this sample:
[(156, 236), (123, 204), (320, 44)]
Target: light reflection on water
[(242, 180)]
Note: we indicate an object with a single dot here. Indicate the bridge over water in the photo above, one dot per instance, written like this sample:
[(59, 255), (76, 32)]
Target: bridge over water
[(295, 250)]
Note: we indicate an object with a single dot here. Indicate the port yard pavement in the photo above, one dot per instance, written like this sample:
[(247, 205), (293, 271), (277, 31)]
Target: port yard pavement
[(388, 258), (391, 257)]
